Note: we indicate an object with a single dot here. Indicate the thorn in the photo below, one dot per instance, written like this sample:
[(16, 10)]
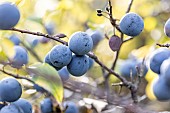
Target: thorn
[(106, 36), (107, 9), (60, 35)]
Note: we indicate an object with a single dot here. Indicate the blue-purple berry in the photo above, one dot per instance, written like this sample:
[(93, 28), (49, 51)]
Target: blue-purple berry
[(131, 24)]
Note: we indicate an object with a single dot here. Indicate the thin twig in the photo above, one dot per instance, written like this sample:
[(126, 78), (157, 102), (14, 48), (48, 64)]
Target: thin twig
[(107, 87), (163, 45), (112, 20), (16, 76), (127, 84), (106, 36), (105, 67), (39, 34), (129, 6), (127, 39)]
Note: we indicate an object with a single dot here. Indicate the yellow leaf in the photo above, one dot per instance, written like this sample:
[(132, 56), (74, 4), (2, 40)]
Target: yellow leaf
[(7, 47), (142, 52), (3, 57), (151, 77), (150, 23), (149, 89), (17, 2), (65, 4)]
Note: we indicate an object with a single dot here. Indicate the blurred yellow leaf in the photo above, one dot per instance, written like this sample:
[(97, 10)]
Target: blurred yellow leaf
[(26, 8), (128, 47), (3, 57), (142, 52), (9, 1), (104, 53), (65, 4), (17, 2), (52, 16), (7, 47), (150, 76), (33, 26), (149, 89), (146, 8), (150, 23)]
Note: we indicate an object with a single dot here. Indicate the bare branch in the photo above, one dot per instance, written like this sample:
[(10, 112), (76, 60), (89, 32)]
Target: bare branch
[(40, 34), (163, 45), (129, 7), (112, 20)]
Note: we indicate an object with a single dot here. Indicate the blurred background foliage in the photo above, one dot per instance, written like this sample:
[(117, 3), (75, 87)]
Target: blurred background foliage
[(70, 16)]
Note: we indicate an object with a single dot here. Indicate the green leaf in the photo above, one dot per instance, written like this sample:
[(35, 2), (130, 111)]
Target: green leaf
[(50, 78)]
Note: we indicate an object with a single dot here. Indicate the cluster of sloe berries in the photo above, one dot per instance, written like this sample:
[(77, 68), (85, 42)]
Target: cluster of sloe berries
[(72, 56), (160, 64)]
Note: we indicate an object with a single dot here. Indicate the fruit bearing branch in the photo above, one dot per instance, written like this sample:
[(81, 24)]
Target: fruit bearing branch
[(126, 83), (113, 23)]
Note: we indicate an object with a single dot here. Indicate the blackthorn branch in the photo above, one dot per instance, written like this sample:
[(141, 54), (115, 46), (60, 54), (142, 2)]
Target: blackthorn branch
[(127, 84), (113, 22)]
